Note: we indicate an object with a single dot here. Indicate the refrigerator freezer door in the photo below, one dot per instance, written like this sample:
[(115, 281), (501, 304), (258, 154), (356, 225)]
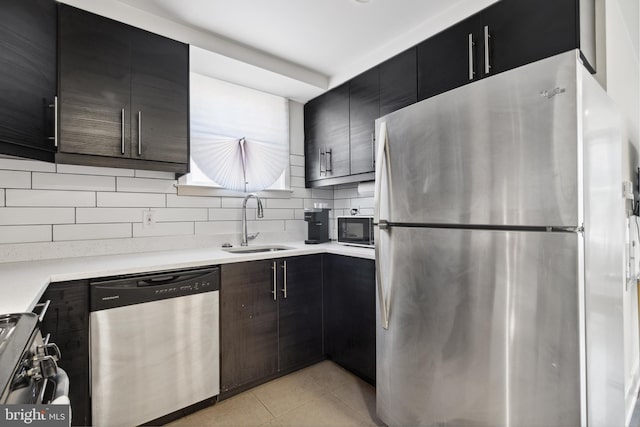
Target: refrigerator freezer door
[(483, 328), (502, 151)]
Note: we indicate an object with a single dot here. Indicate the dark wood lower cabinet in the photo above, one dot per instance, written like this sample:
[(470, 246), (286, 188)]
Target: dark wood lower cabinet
[(67, 320), (270, 319), (349, 314), (248, 324), (300, 312)]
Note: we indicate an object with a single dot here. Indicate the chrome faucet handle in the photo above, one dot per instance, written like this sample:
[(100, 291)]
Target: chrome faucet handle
[(252, 236)]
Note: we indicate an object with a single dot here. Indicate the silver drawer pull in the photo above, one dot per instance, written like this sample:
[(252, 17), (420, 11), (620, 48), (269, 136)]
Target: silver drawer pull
[(472, 73), (487, 63)]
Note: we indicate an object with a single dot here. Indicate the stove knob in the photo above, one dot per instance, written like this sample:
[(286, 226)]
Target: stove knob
[(49, 349), (48, 367)]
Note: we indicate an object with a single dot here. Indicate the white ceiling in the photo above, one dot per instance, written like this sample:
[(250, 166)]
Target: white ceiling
[(305, 46)]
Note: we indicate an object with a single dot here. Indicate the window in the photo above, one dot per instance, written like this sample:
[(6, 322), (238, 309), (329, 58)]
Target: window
[(239, 137)]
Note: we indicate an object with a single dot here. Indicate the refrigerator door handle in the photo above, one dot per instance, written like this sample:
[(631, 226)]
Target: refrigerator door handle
[(382, 163)]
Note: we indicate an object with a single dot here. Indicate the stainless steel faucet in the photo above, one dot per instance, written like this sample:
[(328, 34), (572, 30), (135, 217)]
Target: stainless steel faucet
[(246, 237)]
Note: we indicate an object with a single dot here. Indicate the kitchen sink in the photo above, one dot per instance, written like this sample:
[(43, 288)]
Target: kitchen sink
[(257, 249)]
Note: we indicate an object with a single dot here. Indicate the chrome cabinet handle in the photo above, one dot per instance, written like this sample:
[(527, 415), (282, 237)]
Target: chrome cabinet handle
[(328, 162), (275, 280), (55, 121), (320, 156), (472, 72), (487, 63), (122, 131), (284, 287), (139, 133)]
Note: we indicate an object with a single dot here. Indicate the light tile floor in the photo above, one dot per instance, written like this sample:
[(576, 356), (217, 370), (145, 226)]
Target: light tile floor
[(320, 395)]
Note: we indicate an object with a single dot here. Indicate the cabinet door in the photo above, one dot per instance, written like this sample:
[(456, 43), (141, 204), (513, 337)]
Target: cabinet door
[(327, 128), (248, 324), (334, 131), (398, 82), (349, 314), (312, 146), (67, 320), (524, 31), (364, 109), (159, 98), (444, 60), (27, 77), (95, 83), (300, 337)]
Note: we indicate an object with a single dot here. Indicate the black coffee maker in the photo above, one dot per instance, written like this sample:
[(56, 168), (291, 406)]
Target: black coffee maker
[(318, 223)]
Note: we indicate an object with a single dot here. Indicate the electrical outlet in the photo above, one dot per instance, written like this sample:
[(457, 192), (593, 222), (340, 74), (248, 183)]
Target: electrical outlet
[(148, 219)]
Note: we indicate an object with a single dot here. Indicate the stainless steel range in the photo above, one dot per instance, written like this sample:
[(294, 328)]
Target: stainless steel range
[(29, 373)]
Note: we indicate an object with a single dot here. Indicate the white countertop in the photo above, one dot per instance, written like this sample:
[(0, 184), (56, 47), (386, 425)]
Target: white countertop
[(23, 283)]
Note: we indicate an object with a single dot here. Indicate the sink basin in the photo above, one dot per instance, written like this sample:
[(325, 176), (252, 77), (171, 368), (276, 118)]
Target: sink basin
[(256, 249)]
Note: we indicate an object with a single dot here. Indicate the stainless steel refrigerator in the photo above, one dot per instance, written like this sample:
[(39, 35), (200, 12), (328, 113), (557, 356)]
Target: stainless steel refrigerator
[(500, 254)]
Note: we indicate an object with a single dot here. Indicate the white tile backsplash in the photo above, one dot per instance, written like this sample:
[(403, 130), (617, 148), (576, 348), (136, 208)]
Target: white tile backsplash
[(164, 229), (50, 198), (91, 231), (26, 165), (15, 179), (108, 215), (61, 181), (73, 210), (175, 201), (146, 185), (92, 170), (25, 234), (154, 174), (285, 203), (34, 216), (122, 200)]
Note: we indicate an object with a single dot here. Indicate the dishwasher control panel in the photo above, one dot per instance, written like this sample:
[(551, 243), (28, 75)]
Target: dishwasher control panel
[(121, 291)]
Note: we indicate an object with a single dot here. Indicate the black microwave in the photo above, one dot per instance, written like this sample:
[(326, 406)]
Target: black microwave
[(355, 230)]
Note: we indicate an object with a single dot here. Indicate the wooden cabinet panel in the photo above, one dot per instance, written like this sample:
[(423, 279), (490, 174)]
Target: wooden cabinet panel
[(443, 60), (159, 98), (248, 324), (364, 109), (327, 126), (524, 31), (349, 314), (27, 77), (67, 320), (95, 84), (300, 312), (398, 82)]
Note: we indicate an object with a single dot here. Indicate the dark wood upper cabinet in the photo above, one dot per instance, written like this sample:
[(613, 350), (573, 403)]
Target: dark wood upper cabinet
[(524, 31), (124, 95), (398, 82), (364, 109), (450, 59), (506, 35), (95, 85), (328, 128), (27, 77), (159, 98)]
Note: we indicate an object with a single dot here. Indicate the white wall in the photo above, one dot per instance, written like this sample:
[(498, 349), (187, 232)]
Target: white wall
[(619, 73)]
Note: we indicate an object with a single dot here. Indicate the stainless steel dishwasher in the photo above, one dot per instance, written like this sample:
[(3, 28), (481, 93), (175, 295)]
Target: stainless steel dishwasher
[(154, 344)]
